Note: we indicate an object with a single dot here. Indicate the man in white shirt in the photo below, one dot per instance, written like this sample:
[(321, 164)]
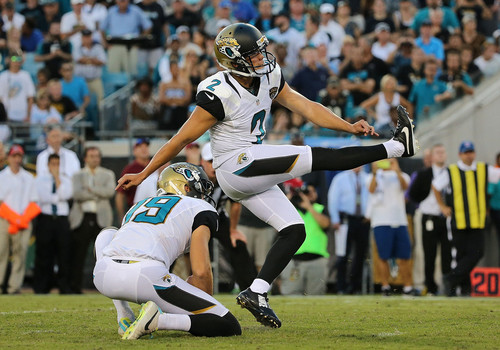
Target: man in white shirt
[(70, 163), (334, 30), (383, 47), (387, 212), (465, 202), (11, 19), (17, 197), (434, 230), (17, 90), (53, 236), (72, 24)]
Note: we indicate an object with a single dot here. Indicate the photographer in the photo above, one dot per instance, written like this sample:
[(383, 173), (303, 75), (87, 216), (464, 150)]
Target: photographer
[(307, 271)]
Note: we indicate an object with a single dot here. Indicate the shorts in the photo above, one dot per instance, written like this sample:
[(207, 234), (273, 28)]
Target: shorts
[(392, 242), (251, 177)]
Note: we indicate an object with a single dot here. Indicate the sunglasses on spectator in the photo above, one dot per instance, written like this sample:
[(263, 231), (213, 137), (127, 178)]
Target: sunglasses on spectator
[(16, 59)]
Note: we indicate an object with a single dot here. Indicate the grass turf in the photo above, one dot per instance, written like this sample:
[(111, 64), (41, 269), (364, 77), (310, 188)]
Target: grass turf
[(342, 322)]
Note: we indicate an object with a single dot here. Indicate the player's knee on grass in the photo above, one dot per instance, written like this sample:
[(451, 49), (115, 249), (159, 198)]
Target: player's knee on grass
[(210, 325)]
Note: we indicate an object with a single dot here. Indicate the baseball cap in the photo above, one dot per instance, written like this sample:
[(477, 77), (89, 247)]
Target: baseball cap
[(86, 32), (76, 2), (326, 8), (142, 140), (466, 146), (223, 23), (47, 2), (381, 27), (206, 152), (16, 149), (192, 144), (182, 29), (426, 22)]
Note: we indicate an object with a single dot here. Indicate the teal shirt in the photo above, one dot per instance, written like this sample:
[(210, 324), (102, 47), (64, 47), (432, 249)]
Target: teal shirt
[(494, 192)]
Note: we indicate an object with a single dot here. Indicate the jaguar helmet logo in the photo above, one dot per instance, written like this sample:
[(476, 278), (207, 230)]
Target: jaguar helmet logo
[(242, 158), (189, 174), (228, 47)]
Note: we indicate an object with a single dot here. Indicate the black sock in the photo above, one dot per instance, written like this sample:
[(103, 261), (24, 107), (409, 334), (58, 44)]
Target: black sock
[(346, 158), (210, 325), (289, 241)]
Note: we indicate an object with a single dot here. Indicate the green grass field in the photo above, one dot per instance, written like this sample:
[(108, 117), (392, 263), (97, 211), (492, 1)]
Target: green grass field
[(332, 322)]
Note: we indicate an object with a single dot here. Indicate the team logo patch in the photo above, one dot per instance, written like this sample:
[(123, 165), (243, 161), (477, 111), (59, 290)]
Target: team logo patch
[(188, 173), (273, 92), (167, 278), (242, 158)]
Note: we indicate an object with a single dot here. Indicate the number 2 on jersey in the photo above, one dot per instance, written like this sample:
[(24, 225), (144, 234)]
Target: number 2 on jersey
[(215, 83), (157, 211), (259, 118)]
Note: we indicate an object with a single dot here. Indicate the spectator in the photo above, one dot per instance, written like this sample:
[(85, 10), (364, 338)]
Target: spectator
[(468, 65), (306, 273), (383, 47), (141, 159), (69, 162), (74, 87), (93, 187), (351, 26), (284, 34), (404, 16), (184, 35), (438, 31), (72, 24), (54, 51), (297, 15), (434, 229), (175, 97), (314, 36), (42, 77), (96, 11), (429, 44), (195, 69), (124, 20), (494, 193), (312, 77), (10, 18), (449, 17), (381, 104), (376, 66), (466, 186), (455, 42), (192, 152), (379, 15), (31, 37), (347, 204), (471, 36), (63, 104), (223, 11), (51, 15), (334, 30), (409, 74), (232, 240), (489, 61), (42, 113), (89, 59), (387, 213), (402, 55), (357, 79), (181, 16), (427, 91), (264, 20), (162, 70), (53, 237), (152, 50), (18, 196), (459, 82), (333, 98), (17, 90), (145, 106), (33, 10), (281, 53), (477, 9)]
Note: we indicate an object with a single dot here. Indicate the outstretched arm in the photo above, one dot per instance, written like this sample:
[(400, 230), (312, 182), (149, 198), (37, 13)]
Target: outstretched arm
[(319, 114), (199, 122)]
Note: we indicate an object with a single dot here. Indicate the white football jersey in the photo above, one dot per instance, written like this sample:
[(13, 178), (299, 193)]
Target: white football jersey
[(240, 113), (160, 228)]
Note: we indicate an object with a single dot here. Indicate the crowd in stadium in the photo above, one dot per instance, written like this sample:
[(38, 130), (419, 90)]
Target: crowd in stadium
[(359, 58)]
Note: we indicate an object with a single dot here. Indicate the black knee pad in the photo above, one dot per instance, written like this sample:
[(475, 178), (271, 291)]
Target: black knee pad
[(210, 325), (295, 234)]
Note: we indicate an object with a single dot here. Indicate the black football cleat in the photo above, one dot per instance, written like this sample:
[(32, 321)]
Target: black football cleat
[(258, 305), (404, 132)]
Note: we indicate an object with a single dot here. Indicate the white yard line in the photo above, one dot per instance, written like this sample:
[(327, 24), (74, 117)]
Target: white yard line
[(52, 311)]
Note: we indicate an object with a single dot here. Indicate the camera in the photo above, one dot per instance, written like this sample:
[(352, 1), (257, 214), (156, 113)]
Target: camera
[(295, 192)]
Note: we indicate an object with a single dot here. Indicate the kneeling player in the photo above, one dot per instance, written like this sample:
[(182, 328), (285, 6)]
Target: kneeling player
[(133, 262)]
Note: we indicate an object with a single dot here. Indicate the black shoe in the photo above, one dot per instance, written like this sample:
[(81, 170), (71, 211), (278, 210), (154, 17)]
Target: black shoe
[(258, 305), (386, 292), (404, 132), (449, 289)]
